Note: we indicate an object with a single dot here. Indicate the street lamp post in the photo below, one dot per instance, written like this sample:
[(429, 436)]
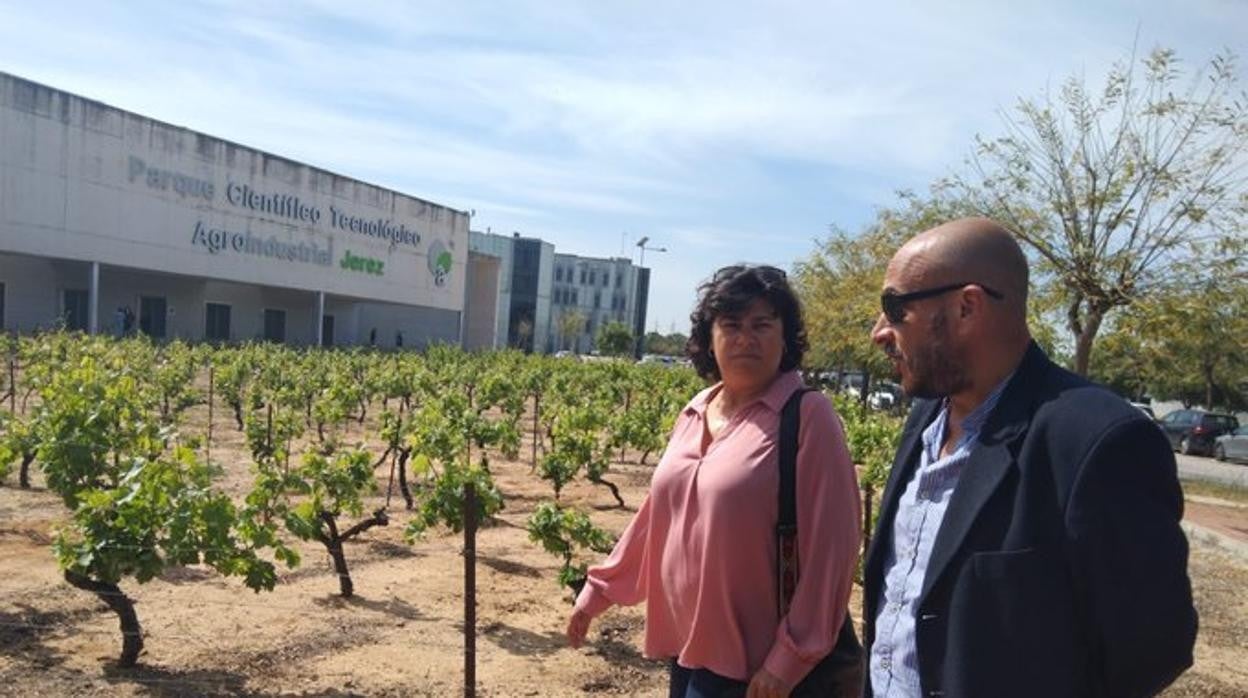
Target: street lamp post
[(641, 245)]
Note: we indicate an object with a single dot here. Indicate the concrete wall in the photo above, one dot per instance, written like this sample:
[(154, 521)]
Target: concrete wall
[(30, 298), (543, 322), (420, 326), (481, 305), (80, 180), (500, 247)]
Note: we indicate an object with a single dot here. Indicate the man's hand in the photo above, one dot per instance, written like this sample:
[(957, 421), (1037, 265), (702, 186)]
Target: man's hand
[(765, 685), (578, 626)]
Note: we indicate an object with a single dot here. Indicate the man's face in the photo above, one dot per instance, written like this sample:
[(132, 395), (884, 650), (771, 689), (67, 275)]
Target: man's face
[(925, 358)]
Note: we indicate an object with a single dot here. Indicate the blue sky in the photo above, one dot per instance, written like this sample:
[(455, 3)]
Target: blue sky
[(723, 131)]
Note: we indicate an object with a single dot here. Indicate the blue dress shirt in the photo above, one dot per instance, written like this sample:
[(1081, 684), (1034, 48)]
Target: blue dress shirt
[(894, 655)]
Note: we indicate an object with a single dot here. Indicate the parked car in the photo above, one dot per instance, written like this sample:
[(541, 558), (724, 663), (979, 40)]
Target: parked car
[(660, 359), (882, 400), (1193, 431), (1233, 446)]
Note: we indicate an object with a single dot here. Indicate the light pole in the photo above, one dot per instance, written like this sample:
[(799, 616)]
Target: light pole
[(641, 330), (641, 245)]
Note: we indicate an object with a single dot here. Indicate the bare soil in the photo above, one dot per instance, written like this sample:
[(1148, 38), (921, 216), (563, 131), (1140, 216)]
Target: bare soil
[(402, 634)]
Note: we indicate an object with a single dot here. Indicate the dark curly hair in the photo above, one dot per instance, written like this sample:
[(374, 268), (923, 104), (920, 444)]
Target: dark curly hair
[(730, 291)]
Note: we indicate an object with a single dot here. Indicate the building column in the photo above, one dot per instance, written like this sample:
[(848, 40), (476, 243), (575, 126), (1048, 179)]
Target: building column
[(93, 300), (320, 318)]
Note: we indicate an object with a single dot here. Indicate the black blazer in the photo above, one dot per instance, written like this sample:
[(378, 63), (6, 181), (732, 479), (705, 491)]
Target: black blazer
[(1059, 568)]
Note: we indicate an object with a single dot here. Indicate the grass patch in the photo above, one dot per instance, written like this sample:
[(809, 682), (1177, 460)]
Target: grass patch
[(1211, 489)]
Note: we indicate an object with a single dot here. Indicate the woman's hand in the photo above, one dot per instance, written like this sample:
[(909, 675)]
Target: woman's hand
[(578, 626), (765, 685)]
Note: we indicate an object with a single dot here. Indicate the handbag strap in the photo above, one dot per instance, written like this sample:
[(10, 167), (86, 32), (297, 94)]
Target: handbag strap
[(786, 526)]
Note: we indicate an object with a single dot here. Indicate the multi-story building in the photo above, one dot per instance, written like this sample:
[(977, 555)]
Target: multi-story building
[(114, 222), (589, 292), (111, 222), (549, 301)]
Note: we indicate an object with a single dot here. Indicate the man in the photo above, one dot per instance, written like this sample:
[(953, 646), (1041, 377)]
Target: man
[(1028, 541)]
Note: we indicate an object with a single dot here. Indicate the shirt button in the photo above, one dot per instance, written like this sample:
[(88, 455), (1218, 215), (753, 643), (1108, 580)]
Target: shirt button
[(886, 663)]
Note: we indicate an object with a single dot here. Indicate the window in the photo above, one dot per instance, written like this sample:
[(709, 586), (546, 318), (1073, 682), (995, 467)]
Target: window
[(1220, 422), (558, 273), (274, 325), (597, 299), (575, 297), (619, 279), (327, 331), (593, 277), (75, 310), (217, 323), (1, 306), (152, 314), (606, 278), (582, 276)]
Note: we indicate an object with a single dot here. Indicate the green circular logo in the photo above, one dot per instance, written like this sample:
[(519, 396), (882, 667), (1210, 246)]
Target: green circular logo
[(439, 262)]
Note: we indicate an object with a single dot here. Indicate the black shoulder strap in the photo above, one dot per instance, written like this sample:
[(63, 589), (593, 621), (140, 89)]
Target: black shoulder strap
[(790, 426), (787, 570)]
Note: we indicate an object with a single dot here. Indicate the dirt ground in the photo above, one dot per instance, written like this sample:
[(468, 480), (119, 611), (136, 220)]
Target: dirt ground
[(402, 633)]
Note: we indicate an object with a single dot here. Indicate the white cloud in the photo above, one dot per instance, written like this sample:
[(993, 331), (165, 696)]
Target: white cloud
[(698, 121)]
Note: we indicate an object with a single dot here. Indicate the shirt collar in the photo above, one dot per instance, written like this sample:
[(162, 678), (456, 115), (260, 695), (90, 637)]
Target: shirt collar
[(774, 397), (971, 423)]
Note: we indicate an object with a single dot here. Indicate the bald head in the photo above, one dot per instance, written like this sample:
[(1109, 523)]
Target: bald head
[(972, 250)]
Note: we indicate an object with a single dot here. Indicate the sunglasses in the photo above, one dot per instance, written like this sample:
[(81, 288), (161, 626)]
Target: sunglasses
[(894, 304), (765, 272)]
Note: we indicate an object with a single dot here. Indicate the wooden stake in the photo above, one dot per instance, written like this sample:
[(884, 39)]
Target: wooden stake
[(470, 591)]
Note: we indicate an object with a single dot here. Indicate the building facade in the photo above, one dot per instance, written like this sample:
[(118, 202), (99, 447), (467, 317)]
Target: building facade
[(589, 292), (111, 221), (549, 301), (522, 302)]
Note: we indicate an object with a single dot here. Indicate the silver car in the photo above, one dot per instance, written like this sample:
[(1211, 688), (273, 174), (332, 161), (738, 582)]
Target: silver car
[(1232, 446)]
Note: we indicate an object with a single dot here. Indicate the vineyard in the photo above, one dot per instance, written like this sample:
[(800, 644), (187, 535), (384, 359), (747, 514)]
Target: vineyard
[(262, 520), (266, 464)]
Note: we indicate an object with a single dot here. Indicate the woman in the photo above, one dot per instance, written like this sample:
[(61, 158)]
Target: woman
[(701, 551)]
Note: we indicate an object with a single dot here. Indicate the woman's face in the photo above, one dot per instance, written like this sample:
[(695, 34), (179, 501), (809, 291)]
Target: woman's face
[(748, 346)]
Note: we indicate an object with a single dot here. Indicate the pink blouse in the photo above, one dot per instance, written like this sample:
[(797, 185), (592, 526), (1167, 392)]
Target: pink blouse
[(701, 551)]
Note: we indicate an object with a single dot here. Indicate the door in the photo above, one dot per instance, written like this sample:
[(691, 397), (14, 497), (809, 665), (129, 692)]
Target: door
[(152, 313), (1174, 424), (327, 331), (75, 309), (217, 322), (274, 325), (1237, 445)]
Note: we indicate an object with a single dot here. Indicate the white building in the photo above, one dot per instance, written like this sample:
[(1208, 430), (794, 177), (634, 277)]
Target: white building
[(105, 214), (589, 292)]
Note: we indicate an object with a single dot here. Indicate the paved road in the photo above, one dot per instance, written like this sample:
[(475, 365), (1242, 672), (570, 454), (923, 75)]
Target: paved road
[(1210, 470)]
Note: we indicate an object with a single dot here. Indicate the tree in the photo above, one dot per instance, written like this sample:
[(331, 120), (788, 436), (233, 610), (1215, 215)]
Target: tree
[(1186, 343), (614, 339), (137, 507), (560, 532), (571, 325), (840, 282), (524, 334), (666, 345), (1116, 189)]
